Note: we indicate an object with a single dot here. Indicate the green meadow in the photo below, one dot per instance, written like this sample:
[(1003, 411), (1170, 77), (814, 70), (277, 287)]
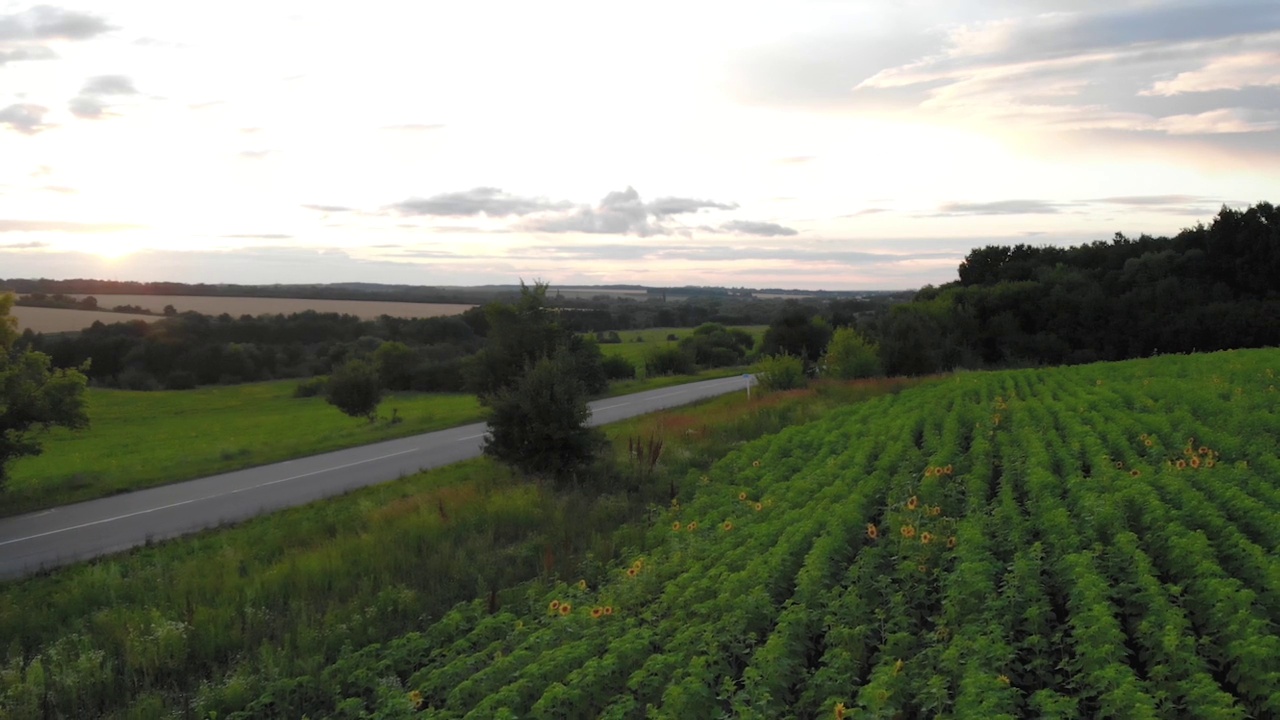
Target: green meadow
[(636, 344), (141, 439)]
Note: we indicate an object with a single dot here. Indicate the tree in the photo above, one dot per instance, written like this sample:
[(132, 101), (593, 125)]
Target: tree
[(797, 330), (395, 362), (354, 388), (850, 356), (539, 424), (34, 396)]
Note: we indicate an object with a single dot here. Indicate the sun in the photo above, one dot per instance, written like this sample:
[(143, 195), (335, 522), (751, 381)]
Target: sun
[(112, 249)]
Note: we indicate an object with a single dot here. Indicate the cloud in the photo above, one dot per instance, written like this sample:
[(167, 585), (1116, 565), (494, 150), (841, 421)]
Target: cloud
[(261, 236), (44, 22), (62, 226), (489, 201), (31, 52), (1145, 70), (254, 154), (89, 105), (1000, 207), (25, 118), (764, 229), (1232, 72), (867, 211), (624, 213), (663, 207), (29, 245), (329, 208), (1151, 200)]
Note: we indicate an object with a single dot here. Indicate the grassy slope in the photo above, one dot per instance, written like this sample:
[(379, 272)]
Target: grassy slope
[(285, 592)]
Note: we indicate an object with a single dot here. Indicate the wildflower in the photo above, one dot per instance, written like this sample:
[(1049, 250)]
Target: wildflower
[(913, 502), (951, 543), (1181, 464), (1004, 680), (582, 584), (596, 612), (908, 531), (1195, 462), (839, 711), (897, 667), (693, 525), (608, 609), (631, 572), (727, 526), (755, 463), (926, 538), (947, 470), (742, 496), (759, 507), (565, 608), (676, 526), (554, 605), (1135, 473), (872, 531)]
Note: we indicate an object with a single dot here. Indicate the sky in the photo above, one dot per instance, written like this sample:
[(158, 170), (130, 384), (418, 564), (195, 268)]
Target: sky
[(810, 144)]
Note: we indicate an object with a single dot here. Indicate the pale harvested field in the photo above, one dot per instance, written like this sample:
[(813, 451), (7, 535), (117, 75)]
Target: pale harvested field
[(53, 320), (237, 306)]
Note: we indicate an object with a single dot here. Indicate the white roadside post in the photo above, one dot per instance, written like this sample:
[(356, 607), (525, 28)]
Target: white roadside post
[(747, 377)]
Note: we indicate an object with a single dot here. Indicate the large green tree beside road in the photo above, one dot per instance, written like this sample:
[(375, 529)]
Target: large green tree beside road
[(34, 396), (355, 389)]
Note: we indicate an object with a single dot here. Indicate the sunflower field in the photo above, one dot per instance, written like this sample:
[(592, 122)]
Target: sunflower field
[(1096, 541)]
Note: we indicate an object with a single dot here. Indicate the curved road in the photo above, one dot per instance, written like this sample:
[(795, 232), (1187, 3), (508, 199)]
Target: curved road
[(39, 540)]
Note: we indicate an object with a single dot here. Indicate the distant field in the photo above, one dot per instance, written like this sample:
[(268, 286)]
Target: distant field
[(53, 320), (237, 306)]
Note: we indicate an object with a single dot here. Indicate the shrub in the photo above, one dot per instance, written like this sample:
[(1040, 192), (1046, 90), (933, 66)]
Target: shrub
[(780, 372), (310, 388), (355, 389), (618, 368), (851, 356), (669, 361)]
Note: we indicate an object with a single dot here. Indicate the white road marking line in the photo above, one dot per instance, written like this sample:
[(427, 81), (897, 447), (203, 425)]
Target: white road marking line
[(610, 407), (470, 437), (196, 500)]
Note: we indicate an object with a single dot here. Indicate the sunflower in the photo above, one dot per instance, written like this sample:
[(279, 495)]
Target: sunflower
[(597, 612), (926, 538), (693, 525), (1119, 465), (565, 608), (839, 711), (553, 605), (1003, 680), (935, 511), (675, 526), (727, 526), (1135, 472), (947, 470), (913, 502), (1195, 462), (1148, 443), (928, 472), (631, 572), (1187, 451), (415, 697), (897, 667), (951, 543), (922, 568), (1203, 450), (608, 609), (759, 507), (742, 496), (1181, 464), (1209, 463), (1143, 436), (908, 531), (755, 463), (872, 531)]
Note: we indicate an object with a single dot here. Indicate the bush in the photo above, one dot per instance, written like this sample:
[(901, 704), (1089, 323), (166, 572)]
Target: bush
[(539, 424), (355, 389), (669, 361), (438, 376), (780, 372), (850, 356), (310, 388), (618, 368)]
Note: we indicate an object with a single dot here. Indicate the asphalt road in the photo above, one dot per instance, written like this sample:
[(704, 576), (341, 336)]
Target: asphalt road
[(29, 543)]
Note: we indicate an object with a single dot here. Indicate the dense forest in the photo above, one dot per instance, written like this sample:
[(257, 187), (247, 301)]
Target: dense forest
[(1207, 288)]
